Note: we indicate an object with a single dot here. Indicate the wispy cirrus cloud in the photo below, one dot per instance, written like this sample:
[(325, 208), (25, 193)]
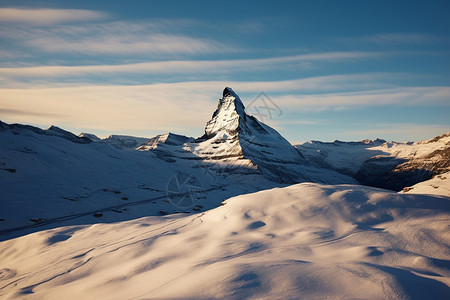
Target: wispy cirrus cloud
[(390, 39), (48, 16), (415, 96), (126, 45), (193, 67), (124, 38)]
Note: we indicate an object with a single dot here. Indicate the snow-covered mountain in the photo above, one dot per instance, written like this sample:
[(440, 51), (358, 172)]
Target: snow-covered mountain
[(124, 141), (50, 176), (378, 163), (233, 134), (117, 141), (190, 220), (54, 131), (235, 142), (165, 139), (53, 176), (305, 241)]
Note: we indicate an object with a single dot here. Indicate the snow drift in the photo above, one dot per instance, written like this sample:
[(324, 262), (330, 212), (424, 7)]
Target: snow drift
[(306, 241)]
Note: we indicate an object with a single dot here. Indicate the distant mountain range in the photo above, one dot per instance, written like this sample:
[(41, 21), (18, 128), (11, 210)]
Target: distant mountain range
[(389, 165)]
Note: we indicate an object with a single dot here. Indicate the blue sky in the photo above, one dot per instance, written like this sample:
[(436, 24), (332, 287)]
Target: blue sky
[(344, 70)]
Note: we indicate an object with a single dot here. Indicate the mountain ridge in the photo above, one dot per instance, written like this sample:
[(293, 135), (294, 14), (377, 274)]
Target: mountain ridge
[(390, 165)]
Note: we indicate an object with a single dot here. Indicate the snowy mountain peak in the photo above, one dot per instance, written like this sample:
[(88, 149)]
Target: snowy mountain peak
[(230, 113), (230, 95), (239, 138), (58, 131), (90, 136)]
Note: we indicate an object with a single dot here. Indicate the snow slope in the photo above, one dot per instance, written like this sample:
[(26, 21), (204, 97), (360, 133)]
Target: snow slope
[(49, 180), (306, 241), (438, 185)]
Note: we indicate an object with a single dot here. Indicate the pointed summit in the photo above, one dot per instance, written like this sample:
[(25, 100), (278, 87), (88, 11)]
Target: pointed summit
[(229, 114), (230, 117), (228, 93)]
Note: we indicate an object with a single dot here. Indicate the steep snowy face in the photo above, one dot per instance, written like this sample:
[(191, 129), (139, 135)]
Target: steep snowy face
[(230, 122), (230, 113)]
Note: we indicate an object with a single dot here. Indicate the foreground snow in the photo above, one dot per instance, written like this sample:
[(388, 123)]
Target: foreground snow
[(304, 241)]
